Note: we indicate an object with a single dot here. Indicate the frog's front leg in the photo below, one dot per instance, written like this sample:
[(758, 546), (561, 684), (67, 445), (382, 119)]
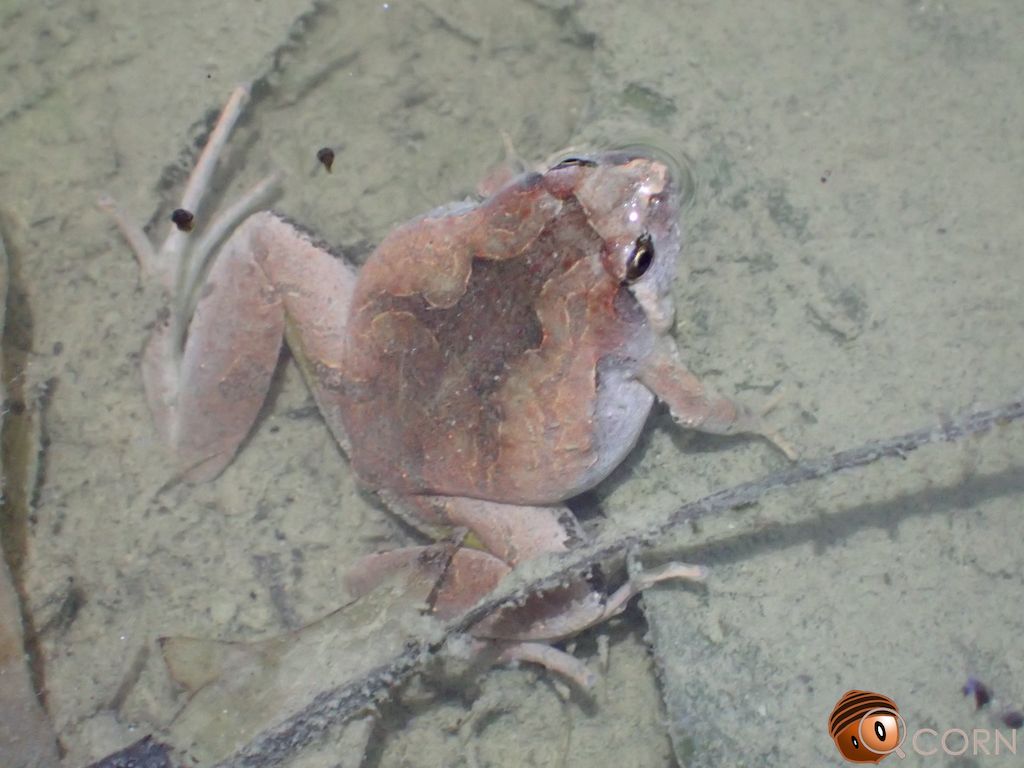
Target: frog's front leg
[(696, 405)]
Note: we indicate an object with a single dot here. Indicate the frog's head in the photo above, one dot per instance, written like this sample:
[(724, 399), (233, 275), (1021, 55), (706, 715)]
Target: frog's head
[(632, 202)]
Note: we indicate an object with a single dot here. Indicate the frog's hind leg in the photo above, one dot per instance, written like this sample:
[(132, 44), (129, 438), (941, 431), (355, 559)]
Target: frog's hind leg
[(206, 393), (230, 295), (461, 577), (269, 280)]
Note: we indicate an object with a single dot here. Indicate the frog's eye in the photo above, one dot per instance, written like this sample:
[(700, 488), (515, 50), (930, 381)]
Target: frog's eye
[(640, 259), (574, 162)]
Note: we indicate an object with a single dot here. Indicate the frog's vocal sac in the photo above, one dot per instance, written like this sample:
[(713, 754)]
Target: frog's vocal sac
[(486, 363)]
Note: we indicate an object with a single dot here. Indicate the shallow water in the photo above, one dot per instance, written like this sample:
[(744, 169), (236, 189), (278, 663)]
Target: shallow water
[(853, 240)]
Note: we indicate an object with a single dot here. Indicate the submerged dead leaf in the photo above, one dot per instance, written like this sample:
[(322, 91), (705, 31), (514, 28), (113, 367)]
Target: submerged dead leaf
[(238, 690)]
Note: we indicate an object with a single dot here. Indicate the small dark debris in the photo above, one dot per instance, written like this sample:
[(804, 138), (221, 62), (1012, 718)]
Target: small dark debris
[(145, 753), (304, 412), (1013, 719), (183, 220), (71, 604), (326, 157), (974, 687), (58, 348)]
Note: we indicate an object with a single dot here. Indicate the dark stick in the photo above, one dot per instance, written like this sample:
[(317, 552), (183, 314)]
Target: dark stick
[(346, 702)]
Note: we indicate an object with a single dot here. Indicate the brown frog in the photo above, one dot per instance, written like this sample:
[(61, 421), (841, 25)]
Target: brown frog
[(488, 362)]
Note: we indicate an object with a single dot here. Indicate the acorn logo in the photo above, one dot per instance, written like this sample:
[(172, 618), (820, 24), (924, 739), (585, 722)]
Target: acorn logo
[(866, 726)]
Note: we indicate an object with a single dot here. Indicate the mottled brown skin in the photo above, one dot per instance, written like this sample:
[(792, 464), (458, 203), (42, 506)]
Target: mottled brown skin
[(473, 348)]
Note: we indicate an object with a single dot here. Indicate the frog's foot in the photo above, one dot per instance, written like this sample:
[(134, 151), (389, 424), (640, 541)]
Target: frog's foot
[(208, 364), (695, 405), (178, 258), (617, 601), (523, 633), (771, 434), (461, 578), (568, 666), (510, 534), (560, 662)]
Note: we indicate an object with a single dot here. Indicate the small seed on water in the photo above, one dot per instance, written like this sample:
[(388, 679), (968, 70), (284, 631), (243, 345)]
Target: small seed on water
[(326, 157), (183, 220)]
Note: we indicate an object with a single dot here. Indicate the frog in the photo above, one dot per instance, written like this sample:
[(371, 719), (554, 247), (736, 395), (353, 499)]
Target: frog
[(489, 360)]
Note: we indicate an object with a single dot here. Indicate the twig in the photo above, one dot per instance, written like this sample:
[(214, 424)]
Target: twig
[(337, 706)]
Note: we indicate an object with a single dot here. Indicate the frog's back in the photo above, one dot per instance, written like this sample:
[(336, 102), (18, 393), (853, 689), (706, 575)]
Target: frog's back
[(472, 356)]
